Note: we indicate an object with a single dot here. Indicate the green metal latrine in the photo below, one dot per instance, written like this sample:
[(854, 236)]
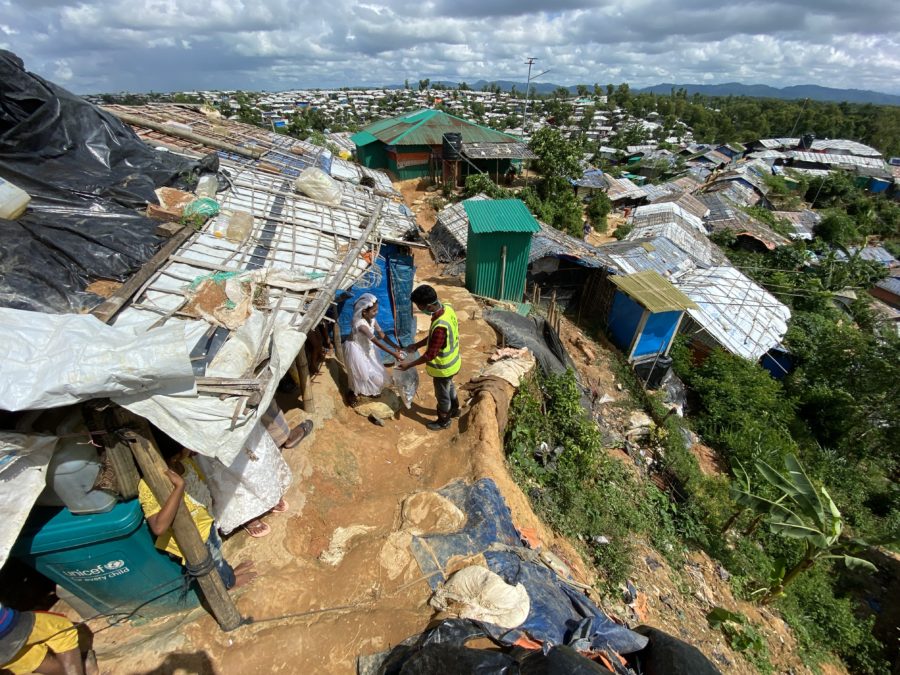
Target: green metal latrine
[(498, 246)]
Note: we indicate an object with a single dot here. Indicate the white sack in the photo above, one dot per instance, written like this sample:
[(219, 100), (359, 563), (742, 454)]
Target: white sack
[(481, 595), (52, 360), (23, 476), (318, 186)]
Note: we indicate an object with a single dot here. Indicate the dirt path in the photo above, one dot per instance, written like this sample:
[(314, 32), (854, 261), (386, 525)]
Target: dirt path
[(318, 605)]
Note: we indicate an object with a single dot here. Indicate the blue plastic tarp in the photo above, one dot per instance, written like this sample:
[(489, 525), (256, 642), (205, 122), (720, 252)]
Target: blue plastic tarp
[(394, 273), (559, 615)]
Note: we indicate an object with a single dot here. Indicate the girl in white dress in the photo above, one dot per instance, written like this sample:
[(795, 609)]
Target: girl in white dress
[(367, 374)]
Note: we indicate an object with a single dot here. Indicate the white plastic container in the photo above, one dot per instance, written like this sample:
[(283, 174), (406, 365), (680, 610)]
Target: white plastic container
[(240, 224), (72, 472), (13, 200), (207, 186)]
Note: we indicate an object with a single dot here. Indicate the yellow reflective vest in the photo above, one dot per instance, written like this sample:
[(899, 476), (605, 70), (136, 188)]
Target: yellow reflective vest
[(447, 363)]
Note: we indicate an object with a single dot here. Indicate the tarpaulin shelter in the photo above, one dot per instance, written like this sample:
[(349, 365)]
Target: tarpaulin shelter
[(194, 329)]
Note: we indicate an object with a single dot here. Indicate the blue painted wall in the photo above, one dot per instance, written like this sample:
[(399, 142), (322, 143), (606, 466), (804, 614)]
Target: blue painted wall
[(624, 318), (657, 333)]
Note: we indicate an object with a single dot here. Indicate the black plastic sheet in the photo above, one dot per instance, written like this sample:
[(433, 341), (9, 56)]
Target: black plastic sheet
[(442, 649), (88, 174)]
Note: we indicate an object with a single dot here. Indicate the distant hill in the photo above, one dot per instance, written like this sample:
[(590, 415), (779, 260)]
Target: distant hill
[(800, 91), (796, 92)]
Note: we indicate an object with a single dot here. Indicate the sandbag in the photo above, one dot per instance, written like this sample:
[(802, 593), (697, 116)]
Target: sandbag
[(318, 186), (481, 595)]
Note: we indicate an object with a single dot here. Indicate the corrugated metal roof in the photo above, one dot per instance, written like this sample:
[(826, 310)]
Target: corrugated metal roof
[(724, 215), (689, 240), (623, 188), (427, 127), (841, 146), (877, 254), (653, 291), (666, 212), (497, 151), (638, 255), (500, 215), (739, 314), (890, 284), (361, 138), (844, 161)]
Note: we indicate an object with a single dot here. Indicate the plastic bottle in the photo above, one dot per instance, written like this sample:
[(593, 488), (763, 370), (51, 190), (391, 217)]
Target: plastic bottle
[(13, 200), (240, 223), (207, 186)]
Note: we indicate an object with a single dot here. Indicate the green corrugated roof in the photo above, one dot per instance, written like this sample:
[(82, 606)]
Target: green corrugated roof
[(500, 215), (652, 291), (362, 138), (427, 127)]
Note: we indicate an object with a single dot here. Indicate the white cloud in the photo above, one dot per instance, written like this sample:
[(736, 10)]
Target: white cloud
[(110, 45)]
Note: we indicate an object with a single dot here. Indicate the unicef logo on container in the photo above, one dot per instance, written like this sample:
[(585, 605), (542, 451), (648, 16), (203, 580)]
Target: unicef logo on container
[(114, 565)]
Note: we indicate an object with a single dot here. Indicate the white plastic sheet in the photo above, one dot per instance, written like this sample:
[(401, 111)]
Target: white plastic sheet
[(52, 360), (251, 486), (23, 475), (204, 423)]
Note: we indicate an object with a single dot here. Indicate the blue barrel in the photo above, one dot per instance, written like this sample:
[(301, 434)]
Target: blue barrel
[(108, 560)]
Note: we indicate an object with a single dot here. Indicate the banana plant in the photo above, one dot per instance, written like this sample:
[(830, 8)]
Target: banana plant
[(802, 511)]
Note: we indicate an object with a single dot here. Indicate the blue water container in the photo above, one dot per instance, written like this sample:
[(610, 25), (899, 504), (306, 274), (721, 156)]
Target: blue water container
[(108, 560)]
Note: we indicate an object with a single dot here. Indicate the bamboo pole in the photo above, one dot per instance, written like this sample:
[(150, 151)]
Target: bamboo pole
[(302, 363), (188, 538), (169, 130)]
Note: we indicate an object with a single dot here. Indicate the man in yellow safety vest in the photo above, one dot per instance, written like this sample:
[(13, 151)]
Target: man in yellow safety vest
[(442, 357)]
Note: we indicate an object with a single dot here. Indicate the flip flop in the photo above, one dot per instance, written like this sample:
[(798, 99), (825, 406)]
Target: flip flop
[(261, 530), (281, 506), (304, 428)]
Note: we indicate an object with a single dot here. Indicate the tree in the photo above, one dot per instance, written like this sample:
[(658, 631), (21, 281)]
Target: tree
[(583, 90), (424, 84), (406, 83), (837, 228), (558, 158), (598, 208), (801, 511)]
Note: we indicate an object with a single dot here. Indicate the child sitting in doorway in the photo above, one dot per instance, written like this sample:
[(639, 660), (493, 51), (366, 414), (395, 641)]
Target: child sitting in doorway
[(190, 487)]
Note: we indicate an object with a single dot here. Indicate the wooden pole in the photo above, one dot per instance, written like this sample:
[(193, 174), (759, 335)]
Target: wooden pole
[(169, 130), (106, 310), (188, 538), (302, 363), (119, 454)]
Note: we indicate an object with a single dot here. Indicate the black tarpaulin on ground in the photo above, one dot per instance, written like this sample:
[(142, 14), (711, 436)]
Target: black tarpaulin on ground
[(442, 649), (88, 175)]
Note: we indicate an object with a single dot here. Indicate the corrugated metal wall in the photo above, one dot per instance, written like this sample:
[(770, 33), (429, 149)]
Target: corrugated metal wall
[(483, 264)]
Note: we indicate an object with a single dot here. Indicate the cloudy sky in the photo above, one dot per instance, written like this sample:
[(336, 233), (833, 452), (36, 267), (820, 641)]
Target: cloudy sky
[(165, 45)]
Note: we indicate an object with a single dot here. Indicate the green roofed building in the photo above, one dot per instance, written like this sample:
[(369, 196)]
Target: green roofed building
[(498, 246), (405, 145)]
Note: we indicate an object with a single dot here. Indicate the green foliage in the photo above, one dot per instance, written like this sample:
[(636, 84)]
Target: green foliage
[(779, 225), (838, 228), (742, 636), (598, 209), (583, 493), (798, 510), (824, 622), (478, 183)]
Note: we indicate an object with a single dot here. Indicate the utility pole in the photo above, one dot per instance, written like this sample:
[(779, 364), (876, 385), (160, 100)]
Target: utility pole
[(529, 63)]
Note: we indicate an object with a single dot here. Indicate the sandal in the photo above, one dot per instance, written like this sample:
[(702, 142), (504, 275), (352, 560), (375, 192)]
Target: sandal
[(298, 433), (281, 506), (256, 529)]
